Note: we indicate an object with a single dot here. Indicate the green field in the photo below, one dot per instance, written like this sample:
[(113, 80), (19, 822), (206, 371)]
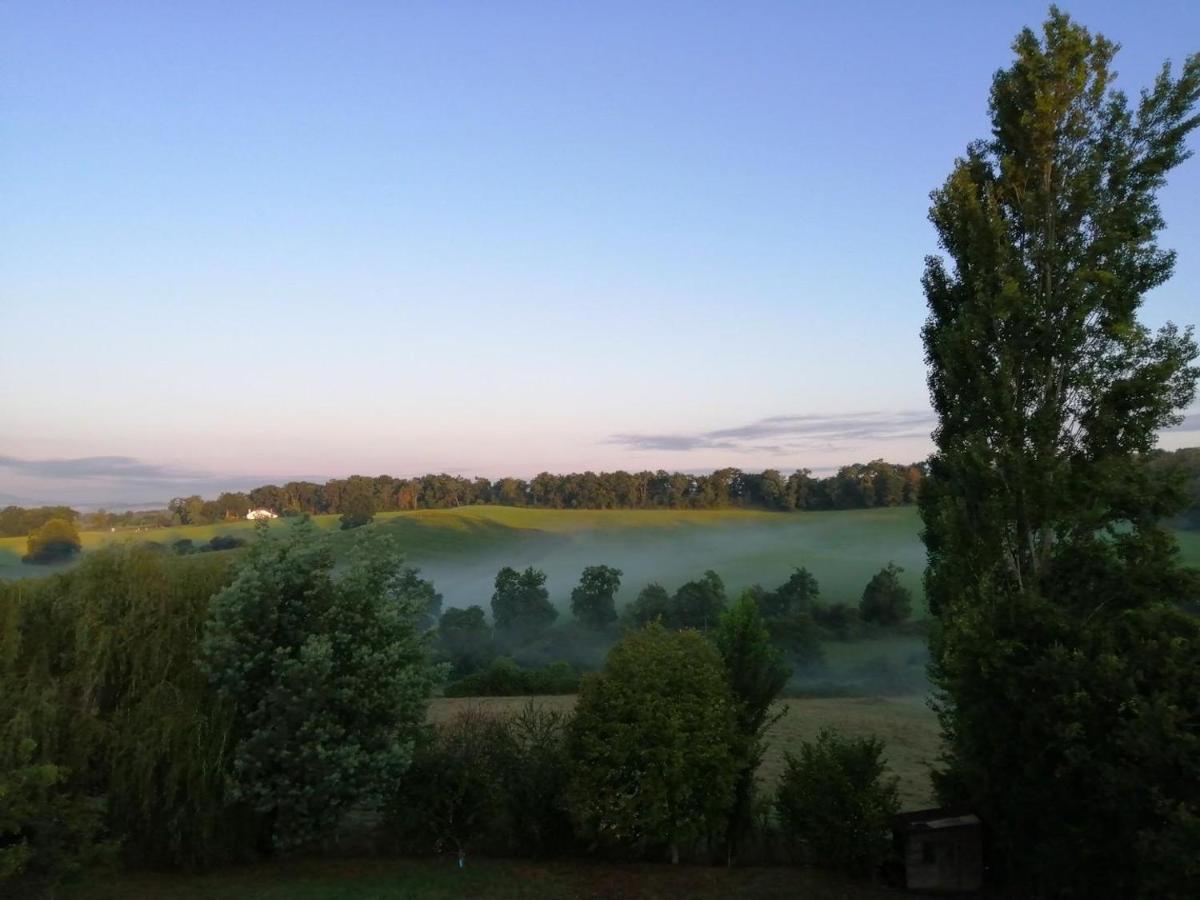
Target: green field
[(461, 549)]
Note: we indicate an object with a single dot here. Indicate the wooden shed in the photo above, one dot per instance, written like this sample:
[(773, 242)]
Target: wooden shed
[(941, 849)]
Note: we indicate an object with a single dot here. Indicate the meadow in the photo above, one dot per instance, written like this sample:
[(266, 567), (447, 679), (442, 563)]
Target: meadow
[(462, 549)]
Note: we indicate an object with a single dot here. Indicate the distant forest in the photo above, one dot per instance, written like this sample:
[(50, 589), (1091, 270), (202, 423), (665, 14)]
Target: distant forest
[(857, 486)]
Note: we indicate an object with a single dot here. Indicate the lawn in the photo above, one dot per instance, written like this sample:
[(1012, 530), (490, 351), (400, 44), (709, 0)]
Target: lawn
[(494, 879)]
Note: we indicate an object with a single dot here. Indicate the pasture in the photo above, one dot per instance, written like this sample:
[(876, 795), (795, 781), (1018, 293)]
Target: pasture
[(462, 549)]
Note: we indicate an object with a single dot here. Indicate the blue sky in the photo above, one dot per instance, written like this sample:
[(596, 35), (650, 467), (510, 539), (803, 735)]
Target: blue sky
[(243, 242)]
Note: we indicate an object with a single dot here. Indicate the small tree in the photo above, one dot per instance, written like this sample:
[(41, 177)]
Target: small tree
[(652, 743), (756, 674), (796, 595), (835, 804), (593, 602), (521, 605), (466, 638), (699, 604), (358, 509), (885, 601), (327, 679), (55, 541), (653, 602)]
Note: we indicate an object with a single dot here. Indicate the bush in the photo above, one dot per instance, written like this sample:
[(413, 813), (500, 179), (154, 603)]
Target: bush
[(653, 744), (834, 803), (885, 601), (504, 678), (55, 541), (485, 783), (327, 679)]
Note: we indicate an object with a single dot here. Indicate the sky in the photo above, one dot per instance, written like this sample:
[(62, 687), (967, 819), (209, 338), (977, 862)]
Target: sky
[(245, 242)]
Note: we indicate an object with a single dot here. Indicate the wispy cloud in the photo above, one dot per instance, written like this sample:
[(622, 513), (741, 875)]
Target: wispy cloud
[(790, 433), (97, 467)]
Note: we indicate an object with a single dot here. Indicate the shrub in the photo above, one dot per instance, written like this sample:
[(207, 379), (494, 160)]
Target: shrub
[(55, 541), (652, 743), (834, 803), (485, 783), (465, 637), (504, 678)]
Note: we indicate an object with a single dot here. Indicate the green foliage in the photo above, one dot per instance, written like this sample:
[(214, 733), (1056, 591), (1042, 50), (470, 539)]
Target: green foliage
[(483, 783), (327, 679), (521, 605), (504, 678), (1069, 691), (796, 595), (55, 541), (18, 521), (358, 510), (653, 603), (885, 601), (835, 803), (652, 743), (465, 637), (593, 602), (99, 675), (756, 675), (46, 831), (697, 604)]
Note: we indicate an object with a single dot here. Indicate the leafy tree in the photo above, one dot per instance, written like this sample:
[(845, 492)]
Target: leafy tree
[(756, 675), (55, 541), (1053, 581), (327, 679), (358, 510), (835, 804), (466, 638), (521, 605), (593, 602), (652, 743), (652, 603), (796, 595), (698, 604), (885, 601)]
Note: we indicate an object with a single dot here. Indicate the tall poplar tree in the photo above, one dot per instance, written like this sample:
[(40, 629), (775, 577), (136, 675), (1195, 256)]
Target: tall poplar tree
[(1070, 682)]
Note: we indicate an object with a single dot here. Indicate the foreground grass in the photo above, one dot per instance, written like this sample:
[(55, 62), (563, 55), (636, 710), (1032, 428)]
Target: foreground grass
[(906, 725), (441, 879)]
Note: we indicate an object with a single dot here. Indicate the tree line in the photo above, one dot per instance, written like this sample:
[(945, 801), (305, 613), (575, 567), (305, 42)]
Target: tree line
[(858, 486)]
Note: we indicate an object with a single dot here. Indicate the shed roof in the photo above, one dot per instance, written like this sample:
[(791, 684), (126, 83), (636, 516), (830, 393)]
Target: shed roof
[(937, 819)]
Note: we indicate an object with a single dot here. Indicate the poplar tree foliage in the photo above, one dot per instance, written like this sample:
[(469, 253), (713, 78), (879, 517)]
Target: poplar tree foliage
[(1070, 680), (327, 679), (756, 674)]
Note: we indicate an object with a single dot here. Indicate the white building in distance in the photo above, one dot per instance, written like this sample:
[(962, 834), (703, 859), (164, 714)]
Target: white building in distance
[(261, 514)]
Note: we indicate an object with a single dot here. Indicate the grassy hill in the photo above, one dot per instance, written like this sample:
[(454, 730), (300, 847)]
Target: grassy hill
[(461, 549)]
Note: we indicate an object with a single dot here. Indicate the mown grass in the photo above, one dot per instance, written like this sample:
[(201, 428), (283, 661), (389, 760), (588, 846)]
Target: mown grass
[(906, 725), (494, 879)]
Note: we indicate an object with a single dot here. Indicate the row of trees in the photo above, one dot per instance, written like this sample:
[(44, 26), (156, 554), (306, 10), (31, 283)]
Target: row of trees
[(858, 486), (796, 619)]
